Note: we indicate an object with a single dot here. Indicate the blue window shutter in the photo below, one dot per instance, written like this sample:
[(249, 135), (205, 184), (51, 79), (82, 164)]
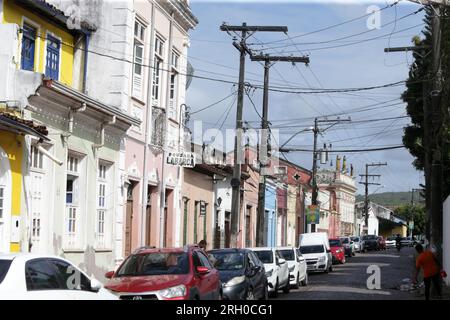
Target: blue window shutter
[(28, 47), (52, 61)]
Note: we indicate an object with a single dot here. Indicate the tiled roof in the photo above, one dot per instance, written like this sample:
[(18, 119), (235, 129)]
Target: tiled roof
[(28, 123)]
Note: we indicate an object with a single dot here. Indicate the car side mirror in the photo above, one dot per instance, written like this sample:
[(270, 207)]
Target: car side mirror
[(95, 285), (202, 270), (328, 251), (109, 274), (281, 261), (351, 242)]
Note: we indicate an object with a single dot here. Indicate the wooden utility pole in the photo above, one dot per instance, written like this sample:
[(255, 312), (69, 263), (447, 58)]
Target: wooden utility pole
[(265, 138), (366, 184), (238, 152)]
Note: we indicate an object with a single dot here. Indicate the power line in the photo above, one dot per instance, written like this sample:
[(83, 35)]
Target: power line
[(333, 26), (213, 104)]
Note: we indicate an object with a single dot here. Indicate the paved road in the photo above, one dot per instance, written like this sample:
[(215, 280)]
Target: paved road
[(349, 281)]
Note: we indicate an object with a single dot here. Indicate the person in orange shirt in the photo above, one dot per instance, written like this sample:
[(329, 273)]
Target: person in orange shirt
[(431, 270)]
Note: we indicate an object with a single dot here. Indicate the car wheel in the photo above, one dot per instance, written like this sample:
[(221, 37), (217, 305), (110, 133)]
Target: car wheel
[(275, 292), (305, 280), (287, 287), (353, 253), (250, 295), (343, 261), (331, 268)]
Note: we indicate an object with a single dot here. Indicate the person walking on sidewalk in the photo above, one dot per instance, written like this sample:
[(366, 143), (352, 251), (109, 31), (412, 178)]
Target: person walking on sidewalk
[(431, 270)]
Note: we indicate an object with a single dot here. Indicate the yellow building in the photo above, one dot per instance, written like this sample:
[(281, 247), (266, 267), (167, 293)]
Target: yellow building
[(12, 131), (45, 45), (36, 43)]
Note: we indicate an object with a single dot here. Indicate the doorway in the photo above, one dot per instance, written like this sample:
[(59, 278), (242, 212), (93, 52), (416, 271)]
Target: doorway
[(227, 229), (129, 219)]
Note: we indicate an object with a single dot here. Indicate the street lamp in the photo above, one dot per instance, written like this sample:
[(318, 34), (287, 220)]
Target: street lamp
[(296, 134)]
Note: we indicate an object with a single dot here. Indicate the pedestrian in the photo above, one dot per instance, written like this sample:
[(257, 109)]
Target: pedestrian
[(202, 245), (431, 270)]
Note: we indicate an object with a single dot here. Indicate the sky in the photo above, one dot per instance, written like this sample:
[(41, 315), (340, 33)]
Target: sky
[(338, 59)]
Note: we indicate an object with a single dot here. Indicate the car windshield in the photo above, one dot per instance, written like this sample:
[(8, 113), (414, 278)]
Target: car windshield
[(265, 256), (287, 254), (227, 260), (312, 249), (4, 267), (335, 243), (391, 238), (355, 239), (158, 263), (370, 238), (344, 240)]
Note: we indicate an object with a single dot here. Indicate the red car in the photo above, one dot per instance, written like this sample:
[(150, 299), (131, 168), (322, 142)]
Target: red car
[(165, 274), (382, 243), (337, 250)]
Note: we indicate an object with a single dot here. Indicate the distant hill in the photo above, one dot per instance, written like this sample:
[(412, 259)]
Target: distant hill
[(391, 199)]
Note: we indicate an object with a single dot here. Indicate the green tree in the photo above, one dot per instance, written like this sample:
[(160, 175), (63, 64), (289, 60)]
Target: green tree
[(413, 96), (418, 215)]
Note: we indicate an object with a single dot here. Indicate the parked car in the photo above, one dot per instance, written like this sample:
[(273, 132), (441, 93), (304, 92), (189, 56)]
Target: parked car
[(298, 274), (358, 243), (277, 269), (40, 277), (315, 247), (165, 274), (242, 274), (337, 250), (348, 246), (382, 243), (371, 242), (390, 242), (407, 242)]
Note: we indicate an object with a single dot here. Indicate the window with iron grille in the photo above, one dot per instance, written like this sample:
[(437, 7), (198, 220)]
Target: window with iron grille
[(159, 127)]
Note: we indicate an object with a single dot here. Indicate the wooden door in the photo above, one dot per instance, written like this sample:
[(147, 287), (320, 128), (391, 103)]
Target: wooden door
[(128, 227)]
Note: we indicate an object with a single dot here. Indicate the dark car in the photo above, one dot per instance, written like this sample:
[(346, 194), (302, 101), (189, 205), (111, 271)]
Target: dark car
[(371, 242), (165, 274), (241, 272)]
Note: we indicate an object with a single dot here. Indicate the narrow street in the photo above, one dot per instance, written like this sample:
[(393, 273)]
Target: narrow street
[(348, 281)]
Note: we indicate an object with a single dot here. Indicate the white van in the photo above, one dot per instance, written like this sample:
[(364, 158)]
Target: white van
[(315, 247)]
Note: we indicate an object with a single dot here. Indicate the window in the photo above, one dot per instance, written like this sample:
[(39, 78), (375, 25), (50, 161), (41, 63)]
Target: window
[(158, 127), (175, 59), (139, 31), (36, 158), (173, 110), (2, 199), (159, 46), (156, 81), (102, 204), (4, 268), (28, 47), (73, 181), (36, 232), (72, 164), (138, 69), (66, 273), (41, 275), (52, 61)]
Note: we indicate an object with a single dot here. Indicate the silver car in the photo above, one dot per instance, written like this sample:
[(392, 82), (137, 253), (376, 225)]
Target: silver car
[(358, 244)]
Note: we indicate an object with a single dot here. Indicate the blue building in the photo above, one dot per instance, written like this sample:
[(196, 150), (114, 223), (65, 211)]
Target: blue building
[(271, 214)]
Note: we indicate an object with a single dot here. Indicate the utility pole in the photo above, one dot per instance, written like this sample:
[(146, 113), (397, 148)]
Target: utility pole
[(427, 134), (366, 184), (265, 137), (436, 145), (236, 181)]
